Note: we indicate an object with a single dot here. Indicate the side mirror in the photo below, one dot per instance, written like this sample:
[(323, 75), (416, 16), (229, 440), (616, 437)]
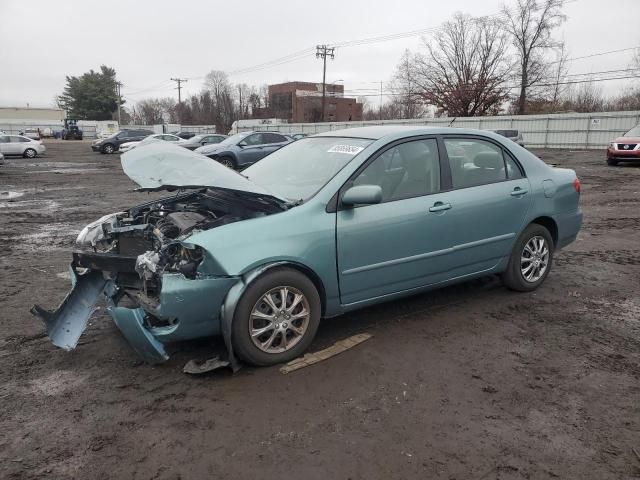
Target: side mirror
[(362, 195), (204, 143), (242, 144)]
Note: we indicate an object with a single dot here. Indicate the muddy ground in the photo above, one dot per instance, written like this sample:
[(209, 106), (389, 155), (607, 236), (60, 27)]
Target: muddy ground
[(472, 381)]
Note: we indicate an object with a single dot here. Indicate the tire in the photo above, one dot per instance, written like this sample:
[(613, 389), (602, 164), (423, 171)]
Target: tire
[(227, 162), (523, 275), (30, 153), (108, 149), (253, 303), (611, 162)]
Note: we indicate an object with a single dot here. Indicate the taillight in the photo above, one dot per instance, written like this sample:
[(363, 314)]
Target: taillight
[(576, 185)]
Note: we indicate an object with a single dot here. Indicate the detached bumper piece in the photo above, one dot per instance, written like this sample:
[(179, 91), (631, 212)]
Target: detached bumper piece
[(66, 323)]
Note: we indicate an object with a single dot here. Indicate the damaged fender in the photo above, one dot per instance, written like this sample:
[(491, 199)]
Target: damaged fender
[(228, 308)]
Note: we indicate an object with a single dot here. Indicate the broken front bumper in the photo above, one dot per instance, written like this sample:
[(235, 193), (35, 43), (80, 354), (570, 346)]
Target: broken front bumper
[(184, 308)]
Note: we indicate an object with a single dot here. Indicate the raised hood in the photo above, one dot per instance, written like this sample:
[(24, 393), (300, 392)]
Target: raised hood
[(163, 166)]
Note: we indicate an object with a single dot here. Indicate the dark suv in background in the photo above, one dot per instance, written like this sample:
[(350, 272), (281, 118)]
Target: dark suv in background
[(112, 143)]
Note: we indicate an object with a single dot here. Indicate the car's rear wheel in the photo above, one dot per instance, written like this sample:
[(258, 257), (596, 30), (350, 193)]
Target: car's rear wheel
[(108, 148), (30, 153), (612, 162), (227, 162), (277, 318), (530, 260)]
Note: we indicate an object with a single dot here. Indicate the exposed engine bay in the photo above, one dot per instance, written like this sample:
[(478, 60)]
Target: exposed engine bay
[(138, 245)]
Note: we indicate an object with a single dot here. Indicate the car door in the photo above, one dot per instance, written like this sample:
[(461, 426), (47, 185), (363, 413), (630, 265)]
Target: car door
[(400, 243), (16, 145), (489, 201), (5, 146), (251, 149)]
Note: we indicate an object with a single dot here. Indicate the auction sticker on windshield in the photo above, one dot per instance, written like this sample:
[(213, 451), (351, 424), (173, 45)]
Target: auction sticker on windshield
[(348, 149)]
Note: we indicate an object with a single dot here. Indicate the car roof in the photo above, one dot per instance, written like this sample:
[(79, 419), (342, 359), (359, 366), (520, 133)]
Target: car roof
[(398, 131)]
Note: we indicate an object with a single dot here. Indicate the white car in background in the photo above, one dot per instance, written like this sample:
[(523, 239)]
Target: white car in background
[(167, 137), (21, 145)]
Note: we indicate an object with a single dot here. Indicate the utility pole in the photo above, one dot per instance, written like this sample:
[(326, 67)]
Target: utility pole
[(322, 51), (118, 85), (380, 107), (179, 81)]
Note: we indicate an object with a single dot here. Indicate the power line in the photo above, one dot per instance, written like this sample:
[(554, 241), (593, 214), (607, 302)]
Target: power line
[(571, 82)]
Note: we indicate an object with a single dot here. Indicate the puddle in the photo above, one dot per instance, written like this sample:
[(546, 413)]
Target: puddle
[(9, 195), (49, 237), (67, 170), (64, 275), (28, 205), (57, 164)]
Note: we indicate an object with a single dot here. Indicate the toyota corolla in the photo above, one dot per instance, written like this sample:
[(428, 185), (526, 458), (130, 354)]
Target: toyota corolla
[(324, 225)]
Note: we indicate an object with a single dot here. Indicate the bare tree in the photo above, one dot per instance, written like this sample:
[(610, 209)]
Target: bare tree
[(586, 98), (404, 87), (559, 71), (530, 25), (465, 69)]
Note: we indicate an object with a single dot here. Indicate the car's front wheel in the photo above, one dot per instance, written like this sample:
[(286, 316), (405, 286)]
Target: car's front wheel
[(30, 153), (530, 260), (611, 162), (277, 318), (227, 162), (108, 148)]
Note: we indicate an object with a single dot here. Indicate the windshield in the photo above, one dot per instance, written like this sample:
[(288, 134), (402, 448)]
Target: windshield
[(298, 170), (196, 138), (234, 139), (634, 132), (150, 138)]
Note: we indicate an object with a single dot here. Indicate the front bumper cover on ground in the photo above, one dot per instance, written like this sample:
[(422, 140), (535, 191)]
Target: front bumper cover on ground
[(191, 307)]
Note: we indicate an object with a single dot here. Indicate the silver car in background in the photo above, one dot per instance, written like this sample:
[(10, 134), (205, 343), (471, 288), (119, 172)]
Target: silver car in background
[(21, 145), (511, 134)]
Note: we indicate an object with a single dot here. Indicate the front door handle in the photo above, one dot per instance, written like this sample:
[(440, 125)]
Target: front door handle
[(517, 192), (440, 207)]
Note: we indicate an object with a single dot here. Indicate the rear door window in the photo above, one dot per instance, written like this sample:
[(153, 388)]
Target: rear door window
[(474, 162), (273, 138)]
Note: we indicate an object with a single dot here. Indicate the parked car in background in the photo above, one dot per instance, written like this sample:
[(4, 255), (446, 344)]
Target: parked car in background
[(325, 225), (297, 136), (244, 149), (167, 137), (32, 133), (625, 148), (112, 144), (21, 145), (203, 139), (511, 134), (184, 135)]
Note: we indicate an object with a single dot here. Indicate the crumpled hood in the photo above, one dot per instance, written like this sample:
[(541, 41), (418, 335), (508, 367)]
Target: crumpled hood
[(162, 166)]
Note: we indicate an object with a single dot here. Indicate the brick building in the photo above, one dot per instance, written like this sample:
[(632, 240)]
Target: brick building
[(302, 102)]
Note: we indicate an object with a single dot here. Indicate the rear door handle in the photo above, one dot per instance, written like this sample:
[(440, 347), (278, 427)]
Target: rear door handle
[(440, 207), (517, 192)]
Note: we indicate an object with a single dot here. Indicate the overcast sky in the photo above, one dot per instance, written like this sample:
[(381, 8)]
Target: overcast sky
[(148, 42)]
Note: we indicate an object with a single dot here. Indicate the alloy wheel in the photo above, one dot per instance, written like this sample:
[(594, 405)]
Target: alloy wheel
[(226, 162), (279, 319), (534, 259), (30, 153)]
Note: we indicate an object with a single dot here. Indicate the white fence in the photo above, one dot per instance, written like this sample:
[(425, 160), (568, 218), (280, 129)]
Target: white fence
[(562, 130), (90, 127)]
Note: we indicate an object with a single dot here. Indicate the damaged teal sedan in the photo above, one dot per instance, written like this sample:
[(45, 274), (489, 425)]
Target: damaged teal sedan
[(325, 225)]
